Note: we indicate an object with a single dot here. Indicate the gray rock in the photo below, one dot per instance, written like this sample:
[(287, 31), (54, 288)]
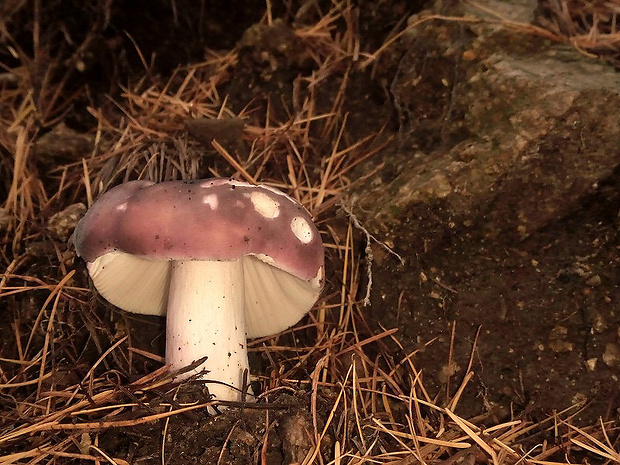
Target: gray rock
[(511, 132)]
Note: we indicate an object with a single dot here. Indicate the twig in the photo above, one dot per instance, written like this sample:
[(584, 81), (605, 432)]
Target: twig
[(368, 251)]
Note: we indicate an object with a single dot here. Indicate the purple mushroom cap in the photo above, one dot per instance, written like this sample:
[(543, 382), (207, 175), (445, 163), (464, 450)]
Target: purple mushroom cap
[(212, 219)]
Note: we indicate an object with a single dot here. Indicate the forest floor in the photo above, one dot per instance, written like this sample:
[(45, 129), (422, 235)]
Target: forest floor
[(296, 95)]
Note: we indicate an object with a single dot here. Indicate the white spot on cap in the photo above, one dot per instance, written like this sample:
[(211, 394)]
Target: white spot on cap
[(122, 207), (301, 229), (265, 205), (211, 200)]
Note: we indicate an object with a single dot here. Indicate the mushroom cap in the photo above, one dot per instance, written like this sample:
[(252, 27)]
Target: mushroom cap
[(132, 233)]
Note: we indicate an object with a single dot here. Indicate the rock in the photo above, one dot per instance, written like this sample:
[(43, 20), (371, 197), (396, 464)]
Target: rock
[(599, 323), (62, 224), (295, 431), (62, 145), (559, 341), (510, 135), (611, 356), (227, 132), (500, 176)]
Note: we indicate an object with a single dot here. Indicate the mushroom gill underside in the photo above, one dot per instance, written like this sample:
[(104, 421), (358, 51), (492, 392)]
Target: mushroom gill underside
[(274, 300)]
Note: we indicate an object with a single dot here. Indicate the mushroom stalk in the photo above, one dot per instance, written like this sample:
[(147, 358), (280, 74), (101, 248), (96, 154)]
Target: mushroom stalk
[(206, 317)]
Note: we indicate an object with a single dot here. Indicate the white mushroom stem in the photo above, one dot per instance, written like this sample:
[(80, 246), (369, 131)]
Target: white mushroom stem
[(206, 317)]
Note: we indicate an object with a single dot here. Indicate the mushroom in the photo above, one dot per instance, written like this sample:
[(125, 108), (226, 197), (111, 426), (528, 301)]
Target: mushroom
[(224, 260)]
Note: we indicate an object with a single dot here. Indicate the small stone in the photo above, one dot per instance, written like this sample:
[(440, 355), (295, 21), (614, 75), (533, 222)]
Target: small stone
[(557, 340), (85, 443), (469, 55), (62, 224), (599, 324), (581, 270), (579, 399), (611, 356), (594, 280), (63, 145), (591, 364), (447, 371), (296, 437)]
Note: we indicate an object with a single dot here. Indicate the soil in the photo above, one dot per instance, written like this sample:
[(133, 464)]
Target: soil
[(536, 317), (545, 308)]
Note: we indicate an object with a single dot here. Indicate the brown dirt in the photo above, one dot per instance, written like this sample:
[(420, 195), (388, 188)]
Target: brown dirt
[(545, 307)]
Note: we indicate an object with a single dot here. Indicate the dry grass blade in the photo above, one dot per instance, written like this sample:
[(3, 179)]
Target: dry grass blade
[(591, 26), (475, 437), (437, 442), (594, 445)]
